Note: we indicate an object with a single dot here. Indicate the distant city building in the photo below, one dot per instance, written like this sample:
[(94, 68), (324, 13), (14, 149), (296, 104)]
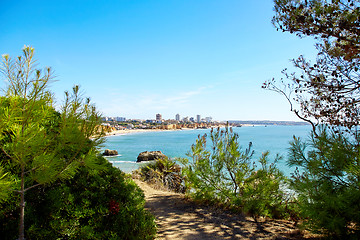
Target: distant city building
[(198, 118), (192, 119), (111, 119), (120, 119), (158, 117), (130, 126), (177, 117), (186, 119), (208, 119)]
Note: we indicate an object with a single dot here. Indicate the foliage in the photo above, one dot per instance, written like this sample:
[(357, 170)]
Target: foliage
[(93, 204), (328, 183), (6, 183), (327, 91), (39, 145), (163, 172), (224, 174)]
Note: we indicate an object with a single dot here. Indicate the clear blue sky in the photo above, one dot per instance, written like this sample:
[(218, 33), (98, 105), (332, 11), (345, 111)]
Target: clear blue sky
[(136, 58)]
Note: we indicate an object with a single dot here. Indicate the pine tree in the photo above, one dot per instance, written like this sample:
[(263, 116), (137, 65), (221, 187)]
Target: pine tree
[(39, 145), (326, 94), (326, 91)]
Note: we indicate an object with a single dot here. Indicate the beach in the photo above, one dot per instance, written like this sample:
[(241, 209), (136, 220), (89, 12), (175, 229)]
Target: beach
[(129, 131)]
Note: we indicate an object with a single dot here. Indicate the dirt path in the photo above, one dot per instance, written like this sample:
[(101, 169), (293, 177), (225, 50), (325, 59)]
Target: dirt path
[(179, 219)]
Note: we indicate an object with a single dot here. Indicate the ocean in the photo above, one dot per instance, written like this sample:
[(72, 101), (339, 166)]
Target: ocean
[(274, 139)]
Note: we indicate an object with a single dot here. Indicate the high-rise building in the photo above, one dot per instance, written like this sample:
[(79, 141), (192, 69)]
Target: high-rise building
[(120, 119), (208, 119), (198, 118), (177, 117), (158, 117)]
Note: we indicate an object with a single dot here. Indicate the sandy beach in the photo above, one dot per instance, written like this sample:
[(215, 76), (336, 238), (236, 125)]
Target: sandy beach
[(129, 131)]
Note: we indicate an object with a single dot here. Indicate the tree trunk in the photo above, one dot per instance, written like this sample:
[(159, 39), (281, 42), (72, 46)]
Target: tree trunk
[(22, 206)]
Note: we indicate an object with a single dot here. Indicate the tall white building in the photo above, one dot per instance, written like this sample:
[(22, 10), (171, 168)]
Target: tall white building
[(198, 118), (177, 117), (158, 117)]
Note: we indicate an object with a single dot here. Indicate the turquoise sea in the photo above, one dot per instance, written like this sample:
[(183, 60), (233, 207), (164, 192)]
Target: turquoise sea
[(177, 143)]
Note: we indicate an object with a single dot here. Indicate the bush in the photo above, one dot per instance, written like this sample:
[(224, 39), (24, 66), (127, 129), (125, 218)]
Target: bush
[(162, 173), (92, 205), (328, 183), (224, 174)]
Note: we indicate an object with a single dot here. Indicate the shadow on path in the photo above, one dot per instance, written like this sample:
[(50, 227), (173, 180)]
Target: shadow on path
[(178, 218)]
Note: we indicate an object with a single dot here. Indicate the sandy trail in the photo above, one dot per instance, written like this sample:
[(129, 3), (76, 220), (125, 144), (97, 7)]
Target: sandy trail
[(180, 219)]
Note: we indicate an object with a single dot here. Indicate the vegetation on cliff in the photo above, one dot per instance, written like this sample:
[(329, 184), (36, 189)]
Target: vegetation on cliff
[(50, 172), (93, 204)]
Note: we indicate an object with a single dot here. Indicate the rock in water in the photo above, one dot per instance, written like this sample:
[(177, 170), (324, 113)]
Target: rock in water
[(109, 152), (149, 156)]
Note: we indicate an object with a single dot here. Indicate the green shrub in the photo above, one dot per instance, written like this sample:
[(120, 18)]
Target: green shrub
[(328, 183), (163, 173), (224, 174), (93, 205)]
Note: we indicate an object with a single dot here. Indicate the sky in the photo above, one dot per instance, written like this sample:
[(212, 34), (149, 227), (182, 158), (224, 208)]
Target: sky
[(137, 58)]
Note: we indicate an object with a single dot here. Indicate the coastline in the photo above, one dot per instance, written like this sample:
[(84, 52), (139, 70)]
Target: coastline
[(129, 131)]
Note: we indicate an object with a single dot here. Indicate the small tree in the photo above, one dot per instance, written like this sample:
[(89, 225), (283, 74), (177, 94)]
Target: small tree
[(327, 183), (326, 91), (38, 144), (224, 174), (327, 95)]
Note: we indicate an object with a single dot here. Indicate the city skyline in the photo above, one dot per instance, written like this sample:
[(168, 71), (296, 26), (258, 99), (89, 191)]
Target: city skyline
[(137, 58), (158, 117)]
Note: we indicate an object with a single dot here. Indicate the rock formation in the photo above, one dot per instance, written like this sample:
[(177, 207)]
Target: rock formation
[(148, 156), (109, 152)]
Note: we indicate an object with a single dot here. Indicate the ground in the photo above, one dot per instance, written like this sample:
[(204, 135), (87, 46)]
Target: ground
[(178, 218)]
